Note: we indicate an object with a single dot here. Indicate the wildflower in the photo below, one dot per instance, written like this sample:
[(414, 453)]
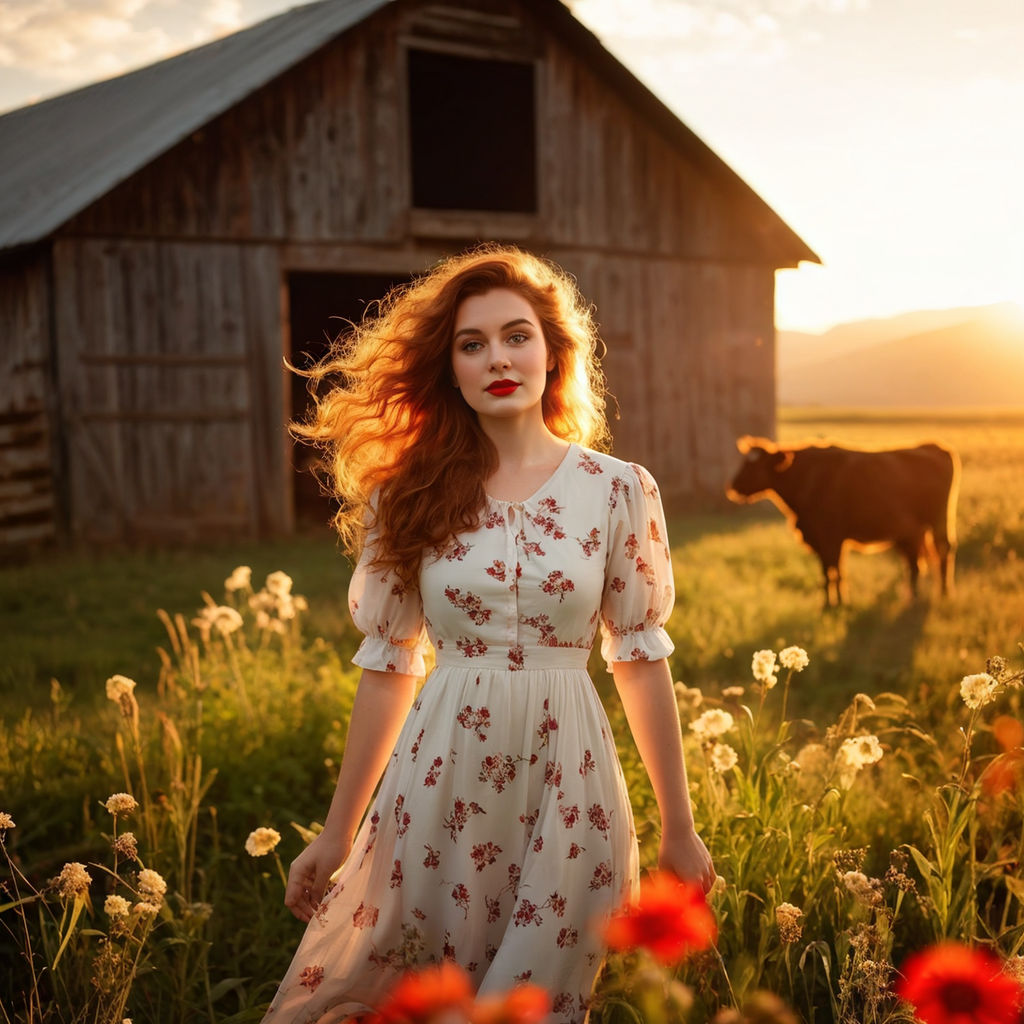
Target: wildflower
[(731, 692), (116, 906), (422, 994), (152, 886), (787, 918), (953, 984), (279, 584), (723, 757), (669, 918), (262, 841), (240, 579), (523, 1004), (219, 618), (120, 687), (711, 724), (121, 803), (6, 821), (856, 753), (996, 666), (813, 759), (897, 872), (978, 690), (688, 696), (763, 667), (73, 880), (866, 890), (125, 845), (794, 658), (146, 909)]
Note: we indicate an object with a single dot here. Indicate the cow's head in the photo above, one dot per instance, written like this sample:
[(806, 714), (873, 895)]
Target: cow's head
[(762, 462)]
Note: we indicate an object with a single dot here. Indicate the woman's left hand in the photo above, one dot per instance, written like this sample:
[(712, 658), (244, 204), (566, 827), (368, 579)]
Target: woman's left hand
[(686, 856)]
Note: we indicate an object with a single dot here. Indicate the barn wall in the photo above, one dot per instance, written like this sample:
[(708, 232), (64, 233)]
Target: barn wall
[(170, 372), (28, 509), (690, 361)]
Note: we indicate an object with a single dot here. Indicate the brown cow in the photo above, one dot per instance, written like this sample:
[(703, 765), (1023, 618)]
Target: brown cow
[(904, 497)]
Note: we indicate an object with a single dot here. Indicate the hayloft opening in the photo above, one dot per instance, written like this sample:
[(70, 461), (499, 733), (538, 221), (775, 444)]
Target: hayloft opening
[(321, 307), (473, 133)]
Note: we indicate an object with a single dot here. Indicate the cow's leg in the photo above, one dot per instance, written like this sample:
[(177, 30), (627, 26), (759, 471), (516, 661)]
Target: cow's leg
[(831, 560), (945, 550), (911, 549)]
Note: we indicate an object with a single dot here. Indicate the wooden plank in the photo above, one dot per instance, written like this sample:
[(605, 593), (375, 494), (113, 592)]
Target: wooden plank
[(162, 359)]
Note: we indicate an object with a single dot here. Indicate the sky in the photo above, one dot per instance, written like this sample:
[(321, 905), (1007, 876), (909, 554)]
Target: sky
[(889, 134)]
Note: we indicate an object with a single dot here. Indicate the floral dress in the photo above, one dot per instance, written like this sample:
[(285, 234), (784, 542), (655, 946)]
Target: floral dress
[(501, 833)]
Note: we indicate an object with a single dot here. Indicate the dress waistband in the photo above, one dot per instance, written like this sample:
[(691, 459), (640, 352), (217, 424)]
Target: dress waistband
[(514, 659)]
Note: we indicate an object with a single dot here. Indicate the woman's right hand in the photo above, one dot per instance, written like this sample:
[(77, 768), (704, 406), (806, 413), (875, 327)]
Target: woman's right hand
[(310, 872)]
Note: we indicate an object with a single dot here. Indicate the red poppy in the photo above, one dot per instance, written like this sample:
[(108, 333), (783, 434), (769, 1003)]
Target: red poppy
[(953, 984), (524, 1004), (669, 918), (433, 994)]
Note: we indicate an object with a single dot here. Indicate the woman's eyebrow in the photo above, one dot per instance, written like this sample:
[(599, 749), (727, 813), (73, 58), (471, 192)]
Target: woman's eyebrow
[(504, 327)]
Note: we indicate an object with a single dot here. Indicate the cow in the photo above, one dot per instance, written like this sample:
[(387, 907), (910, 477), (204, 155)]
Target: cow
[(904, 497)]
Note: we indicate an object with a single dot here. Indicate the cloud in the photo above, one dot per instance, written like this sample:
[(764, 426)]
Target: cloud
[(67, 41)]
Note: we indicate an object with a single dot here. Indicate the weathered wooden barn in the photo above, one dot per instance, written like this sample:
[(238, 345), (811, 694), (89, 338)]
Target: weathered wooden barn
[(168, 237)]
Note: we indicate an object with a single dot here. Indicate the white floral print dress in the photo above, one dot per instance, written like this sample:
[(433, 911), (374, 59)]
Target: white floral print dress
[(501, 833)]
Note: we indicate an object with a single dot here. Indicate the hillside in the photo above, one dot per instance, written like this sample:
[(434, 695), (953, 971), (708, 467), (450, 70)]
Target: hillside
[(964, 357)]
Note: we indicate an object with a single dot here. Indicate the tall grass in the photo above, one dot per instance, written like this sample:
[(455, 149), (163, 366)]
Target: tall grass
[(242, 729)]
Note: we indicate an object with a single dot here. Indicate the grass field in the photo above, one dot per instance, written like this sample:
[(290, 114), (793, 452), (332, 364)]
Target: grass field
[(743, 584)]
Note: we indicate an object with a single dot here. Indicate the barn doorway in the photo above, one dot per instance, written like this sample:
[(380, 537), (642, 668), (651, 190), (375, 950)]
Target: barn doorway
[(320, 306)]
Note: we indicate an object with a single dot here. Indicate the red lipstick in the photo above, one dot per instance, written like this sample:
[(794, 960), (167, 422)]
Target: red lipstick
[(502, 387)]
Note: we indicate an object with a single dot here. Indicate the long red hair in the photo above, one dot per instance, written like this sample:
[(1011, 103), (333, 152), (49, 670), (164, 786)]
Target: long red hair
[(395, 429)]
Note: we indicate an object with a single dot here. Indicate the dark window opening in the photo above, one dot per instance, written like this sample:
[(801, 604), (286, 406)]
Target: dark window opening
[(473, 138), (320, 307)]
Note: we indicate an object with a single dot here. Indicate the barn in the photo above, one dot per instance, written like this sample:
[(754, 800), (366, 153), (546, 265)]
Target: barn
[(170, 236)]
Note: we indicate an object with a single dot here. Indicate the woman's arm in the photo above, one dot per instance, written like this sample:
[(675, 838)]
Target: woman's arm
[(645, 688), (378, 712)]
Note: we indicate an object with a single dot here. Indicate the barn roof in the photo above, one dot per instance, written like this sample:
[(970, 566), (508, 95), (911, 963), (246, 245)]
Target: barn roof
[(64, 153)]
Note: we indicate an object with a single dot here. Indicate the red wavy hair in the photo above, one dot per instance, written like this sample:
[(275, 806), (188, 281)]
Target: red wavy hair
[(394, 428)]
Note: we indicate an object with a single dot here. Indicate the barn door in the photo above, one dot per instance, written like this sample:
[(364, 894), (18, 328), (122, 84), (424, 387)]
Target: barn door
[(321, 306), (162, 351)]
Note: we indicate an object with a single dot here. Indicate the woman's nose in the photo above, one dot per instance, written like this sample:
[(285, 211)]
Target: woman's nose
[(499, 359)]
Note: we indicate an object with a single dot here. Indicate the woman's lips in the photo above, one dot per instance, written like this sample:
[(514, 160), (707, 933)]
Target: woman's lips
[(502, 387)]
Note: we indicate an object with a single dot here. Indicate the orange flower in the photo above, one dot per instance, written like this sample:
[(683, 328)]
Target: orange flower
[(953, 984), (524, 1004), (433, 994), (670, 918)]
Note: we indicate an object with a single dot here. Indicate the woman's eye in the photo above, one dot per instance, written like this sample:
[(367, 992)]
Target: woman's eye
[(518, 338), (471, 346)]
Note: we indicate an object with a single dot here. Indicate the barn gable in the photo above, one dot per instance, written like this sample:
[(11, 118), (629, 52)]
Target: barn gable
[(170, 274)]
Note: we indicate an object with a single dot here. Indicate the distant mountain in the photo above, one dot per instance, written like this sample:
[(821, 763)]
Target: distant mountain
[(956, 357)]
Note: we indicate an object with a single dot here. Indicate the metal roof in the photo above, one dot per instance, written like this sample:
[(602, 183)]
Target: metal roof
[(62, 154)]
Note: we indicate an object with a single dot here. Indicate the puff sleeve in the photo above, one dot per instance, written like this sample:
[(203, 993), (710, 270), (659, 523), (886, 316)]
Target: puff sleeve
[(639, 591), (389, 614)]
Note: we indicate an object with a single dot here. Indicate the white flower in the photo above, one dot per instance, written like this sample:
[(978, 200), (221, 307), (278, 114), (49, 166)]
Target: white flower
[(262, 841), (763, 667), (120, 687), (794, 658), (854, 754), (723, 757), (711, 724), (279, 584), (240, 579), (220, 618), (688, 696), (978, 690), (121, 803), (146, 909), (812, 758), (6, 821), (733, 692), (116, 906), (152, 886), (867, 890), (73, 880)]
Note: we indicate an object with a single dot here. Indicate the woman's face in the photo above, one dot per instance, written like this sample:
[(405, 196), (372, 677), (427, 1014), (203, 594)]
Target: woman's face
[(500, 358)]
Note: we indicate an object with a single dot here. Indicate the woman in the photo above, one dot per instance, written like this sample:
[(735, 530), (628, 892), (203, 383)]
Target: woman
[(501, 831)]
